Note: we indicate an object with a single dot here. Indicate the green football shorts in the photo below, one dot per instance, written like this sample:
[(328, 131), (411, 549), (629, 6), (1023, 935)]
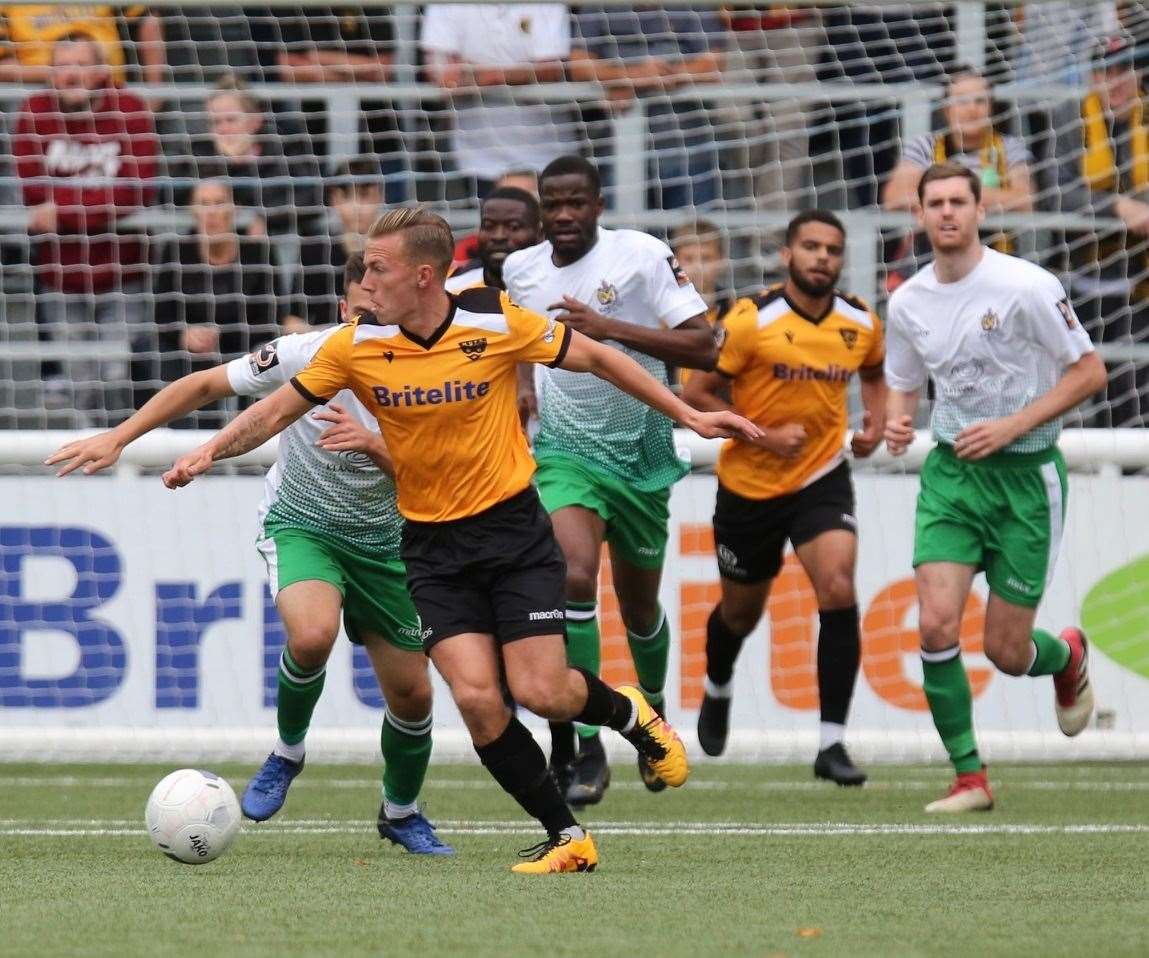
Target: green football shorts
[(375, 597), (1003, 514), (637, 523)]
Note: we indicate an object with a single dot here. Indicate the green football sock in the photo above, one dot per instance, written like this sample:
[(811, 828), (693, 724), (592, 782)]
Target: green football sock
[(406, 748), (584, 646), (299, 691), (951, 704), (1051, 655), (651, 655)]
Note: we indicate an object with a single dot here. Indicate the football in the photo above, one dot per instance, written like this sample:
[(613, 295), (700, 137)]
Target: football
[(192, 816)]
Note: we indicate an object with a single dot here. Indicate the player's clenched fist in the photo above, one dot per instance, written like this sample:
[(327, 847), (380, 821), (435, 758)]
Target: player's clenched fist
[(785, 441), (186, 468), (899, 434)]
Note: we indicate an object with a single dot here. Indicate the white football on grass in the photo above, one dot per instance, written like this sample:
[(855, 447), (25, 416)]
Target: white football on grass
[(192, 816)]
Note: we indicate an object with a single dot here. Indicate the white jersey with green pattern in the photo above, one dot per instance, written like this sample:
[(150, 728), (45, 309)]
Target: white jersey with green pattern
[(628, 276), (992, 342), (341, 495)]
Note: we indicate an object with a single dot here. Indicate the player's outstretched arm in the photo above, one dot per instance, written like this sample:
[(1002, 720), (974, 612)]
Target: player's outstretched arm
[(250, 429), (586, 356), (177, 399), (900, 409), (1079, 381)]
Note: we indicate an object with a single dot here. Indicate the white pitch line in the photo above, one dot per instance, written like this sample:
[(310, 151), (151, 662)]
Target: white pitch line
[(118, 828), (932, 784)]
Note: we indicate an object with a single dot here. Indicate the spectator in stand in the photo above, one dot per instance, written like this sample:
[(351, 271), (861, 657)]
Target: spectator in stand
[(214, 294), (969, 137), (28, 35), (892, 44), (355, 195), (346, 45), (85, 156), (700, 249), (1104, 172), (274, 176), (647, 52), (467, 249), (474, 52)]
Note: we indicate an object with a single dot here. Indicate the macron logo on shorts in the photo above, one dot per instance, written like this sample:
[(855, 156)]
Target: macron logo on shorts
[(546, 616)]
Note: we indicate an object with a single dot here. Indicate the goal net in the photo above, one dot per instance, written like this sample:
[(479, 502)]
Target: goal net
[(180, 184)]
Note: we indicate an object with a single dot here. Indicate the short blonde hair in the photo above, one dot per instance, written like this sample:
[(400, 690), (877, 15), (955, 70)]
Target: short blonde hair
[(426, 235)]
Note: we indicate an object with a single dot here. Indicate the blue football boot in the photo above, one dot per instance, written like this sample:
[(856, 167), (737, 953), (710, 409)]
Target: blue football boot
[(267, 791)]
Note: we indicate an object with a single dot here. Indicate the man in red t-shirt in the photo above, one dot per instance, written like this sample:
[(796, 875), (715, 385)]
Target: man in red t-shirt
[(86, 156)]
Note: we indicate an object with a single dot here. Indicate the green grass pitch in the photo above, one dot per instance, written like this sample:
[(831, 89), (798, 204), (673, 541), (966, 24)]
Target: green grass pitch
[(745, 860)]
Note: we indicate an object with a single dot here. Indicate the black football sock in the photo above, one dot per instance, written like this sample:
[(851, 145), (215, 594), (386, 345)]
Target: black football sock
[(839, 652), (605, 706), (562, 743), (722, 648), (517, 763)]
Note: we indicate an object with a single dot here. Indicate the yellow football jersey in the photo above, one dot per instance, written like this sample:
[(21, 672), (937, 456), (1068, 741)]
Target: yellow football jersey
[(29, 32), (786, 367), (446, 405)]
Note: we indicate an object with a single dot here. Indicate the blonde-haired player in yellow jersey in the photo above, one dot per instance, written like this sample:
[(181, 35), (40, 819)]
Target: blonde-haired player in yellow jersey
[(786, 363), (483, 567)]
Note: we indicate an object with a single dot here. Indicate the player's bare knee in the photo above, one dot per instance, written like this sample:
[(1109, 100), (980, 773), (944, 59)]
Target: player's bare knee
[(939, 630), (582, 581), (478, 703), (640, 618), (544, 694), (836, 591), (310, 645), (410, 700)]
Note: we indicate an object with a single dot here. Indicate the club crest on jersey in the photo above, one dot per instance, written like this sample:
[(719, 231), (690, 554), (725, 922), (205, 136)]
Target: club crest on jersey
[(473, 348), (606, 294), (1066, 311), (263, 359), (549, 332), (990, 321), (389, 356), (849, 337)]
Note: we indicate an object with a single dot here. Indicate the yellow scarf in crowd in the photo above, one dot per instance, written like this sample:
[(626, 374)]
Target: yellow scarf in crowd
[(991, 155), (1098, 162)]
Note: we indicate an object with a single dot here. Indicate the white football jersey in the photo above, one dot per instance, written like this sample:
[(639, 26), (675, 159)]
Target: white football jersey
[(992, 343), (340, 494), (628, 276)]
